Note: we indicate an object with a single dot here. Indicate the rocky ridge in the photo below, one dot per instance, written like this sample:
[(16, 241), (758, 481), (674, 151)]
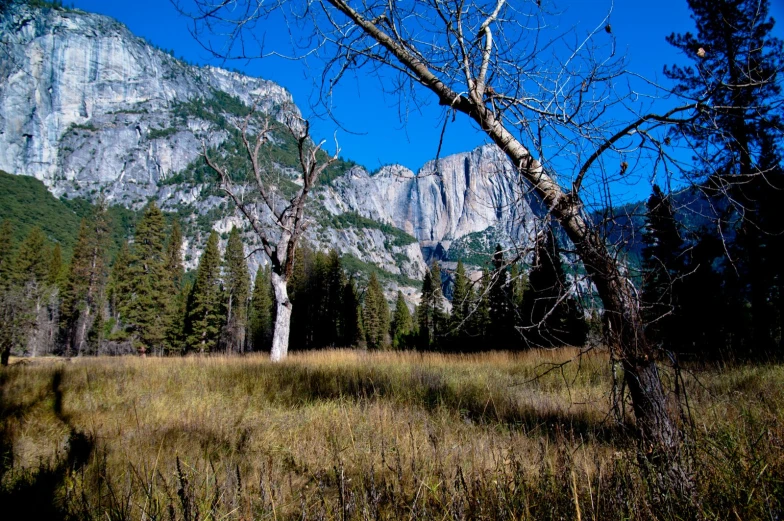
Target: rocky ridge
[(90, 109)]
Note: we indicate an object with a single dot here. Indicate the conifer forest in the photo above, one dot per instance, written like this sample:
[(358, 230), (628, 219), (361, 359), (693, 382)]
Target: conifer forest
[(227, 294)]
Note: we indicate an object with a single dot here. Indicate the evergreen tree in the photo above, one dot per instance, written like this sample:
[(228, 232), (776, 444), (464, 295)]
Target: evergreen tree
[(736, 134), (32, 292), (6, 254), (119, 285), (336, 282), (83, 295), (237, 292), (56, 267), (10, 328), (662, 248), (146, 309), (353, 331), (402, 324), (479, 321), (461, 309), (550, 318), (431, 318), (375, 315), (31, 264), (261, 311), (176, 307), (500, 299), (205, 309), (174, 265)]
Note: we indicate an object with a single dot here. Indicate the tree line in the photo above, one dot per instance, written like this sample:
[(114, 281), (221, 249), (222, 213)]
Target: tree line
[(143, 302)]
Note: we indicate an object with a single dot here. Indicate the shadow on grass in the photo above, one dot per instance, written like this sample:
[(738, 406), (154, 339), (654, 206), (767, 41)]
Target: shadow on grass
[(34, 494), (294, 385)]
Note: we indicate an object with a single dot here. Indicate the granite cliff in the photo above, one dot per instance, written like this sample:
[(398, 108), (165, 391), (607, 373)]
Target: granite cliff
[(92, 110)]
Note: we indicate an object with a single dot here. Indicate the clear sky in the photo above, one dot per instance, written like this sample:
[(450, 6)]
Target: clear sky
[(377, 135)]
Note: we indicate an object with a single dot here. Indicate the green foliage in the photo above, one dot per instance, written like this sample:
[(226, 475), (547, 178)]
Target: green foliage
[(462, 300), (354, 220), (237, 292), (146, 310), (475, 249), (175, 335), (324, 302), (211, 108), (31, 265), (549, 317), (504, 335), (402, 327), (26, 203), (6, 253), (119, 284), (83, 293), (161, 133), (262, 312), (431, 318), (355, 266), (662, 266), (205, 304), (375, 315)]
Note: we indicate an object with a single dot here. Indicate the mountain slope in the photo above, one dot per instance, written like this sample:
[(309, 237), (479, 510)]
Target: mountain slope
[(90, 109)]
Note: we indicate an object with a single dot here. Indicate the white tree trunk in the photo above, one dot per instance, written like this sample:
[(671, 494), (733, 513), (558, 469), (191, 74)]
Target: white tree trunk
[(280, 337)]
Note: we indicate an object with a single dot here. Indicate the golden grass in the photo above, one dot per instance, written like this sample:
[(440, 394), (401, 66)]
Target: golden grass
[(350, 434)]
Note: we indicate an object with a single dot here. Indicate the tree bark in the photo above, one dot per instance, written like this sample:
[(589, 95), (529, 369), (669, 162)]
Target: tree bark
[(624, 321), (280, 336)]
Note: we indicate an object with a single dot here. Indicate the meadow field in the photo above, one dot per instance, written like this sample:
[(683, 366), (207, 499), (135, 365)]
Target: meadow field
[(336, 435)]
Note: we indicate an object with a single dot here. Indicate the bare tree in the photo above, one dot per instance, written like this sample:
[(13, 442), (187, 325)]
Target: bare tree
[(542, 101), (288, 217)]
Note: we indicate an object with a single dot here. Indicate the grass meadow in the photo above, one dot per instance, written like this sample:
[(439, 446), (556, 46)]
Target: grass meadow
[(336, 435)]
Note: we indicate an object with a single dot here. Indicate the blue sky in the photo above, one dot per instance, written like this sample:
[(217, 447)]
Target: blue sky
[(373, 134)]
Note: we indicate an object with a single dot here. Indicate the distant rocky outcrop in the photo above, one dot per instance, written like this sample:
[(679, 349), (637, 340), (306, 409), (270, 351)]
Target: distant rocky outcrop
[(446, 200)]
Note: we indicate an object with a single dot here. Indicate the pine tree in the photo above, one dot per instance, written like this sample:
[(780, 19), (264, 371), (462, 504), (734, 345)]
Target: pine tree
[(177, 303), (83, 295), (10, 328), (662, 248), (479, 319), (550, 318), (336, 281), (174, 265), (6, 254), (55, 277), (461, 309), (30, 264), (205, 305), (119, 285), (30, 274), (237, 292), (261, 311), (375, 315), (146, 307), (431, 318), (353, 331), (500, 299), (736, 130), (402, 324)]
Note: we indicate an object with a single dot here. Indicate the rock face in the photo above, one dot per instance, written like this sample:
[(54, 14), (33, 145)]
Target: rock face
[(459, 195), (88, 108), (84, 104)]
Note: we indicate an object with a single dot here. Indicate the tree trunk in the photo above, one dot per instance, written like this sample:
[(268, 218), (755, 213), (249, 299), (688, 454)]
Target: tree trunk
[(280, 337), (626, 335)]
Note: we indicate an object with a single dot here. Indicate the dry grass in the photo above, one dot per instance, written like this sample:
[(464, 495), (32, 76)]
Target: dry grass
[(354, 435)]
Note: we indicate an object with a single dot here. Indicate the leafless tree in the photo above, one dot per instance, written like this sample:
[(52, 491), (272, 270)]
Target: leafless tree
[(543, 100), (288, 216)]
